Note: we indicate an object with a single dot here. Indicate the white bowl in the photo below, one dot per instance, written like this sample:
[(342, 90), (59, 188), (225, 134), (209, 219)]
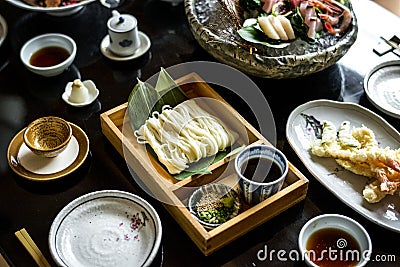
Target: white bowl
[(54, 11), (106, 228), (47, 40), (341, 222)]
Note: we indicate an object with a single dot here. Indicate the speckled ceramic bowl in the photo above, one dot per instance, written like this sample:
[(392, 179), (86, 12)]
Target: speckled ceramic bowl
[(216, 31), (47, 136)]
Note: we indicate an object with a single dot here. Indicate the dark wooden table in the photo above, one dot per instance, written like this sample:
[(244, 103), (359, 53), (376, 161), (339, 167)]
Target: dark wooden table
[(25, 97)]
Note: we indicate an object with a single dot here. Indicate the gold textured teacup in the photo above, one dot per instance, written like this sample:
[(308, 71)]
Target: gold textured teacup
[(47, 136)]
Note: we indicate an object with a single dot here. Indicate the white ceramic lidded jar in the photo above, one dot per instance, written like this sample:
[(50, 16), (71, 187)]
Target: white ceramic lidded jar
[(123, 33)]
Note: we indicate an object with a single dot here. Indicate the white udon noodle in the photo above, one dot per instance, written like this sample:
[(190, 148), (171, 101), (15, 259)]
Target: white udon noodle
[(183, 135)]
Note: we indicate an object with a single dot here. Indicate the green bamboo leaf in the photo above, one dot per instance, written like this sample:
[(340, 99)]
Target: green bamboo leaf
[(142, 101), (201, 167), (170, 91), (185, 174), (235, 151)]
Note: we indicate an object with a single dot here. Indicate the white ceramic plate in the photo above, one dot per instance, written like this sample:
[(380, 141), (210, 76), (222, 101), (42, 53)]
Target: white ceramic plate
[(145, 44), (382, 85), (55, 11), (41, 165), (106, 228), (93, 93), (3, 29), (342, 183), (52, 171)]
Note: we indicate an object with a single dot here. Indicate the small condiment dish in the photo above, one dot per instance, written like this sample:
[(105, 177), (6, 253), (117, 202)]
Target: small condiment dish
[(334, 240), (47, 136), (208, 195), (48, 54), (80, 93)]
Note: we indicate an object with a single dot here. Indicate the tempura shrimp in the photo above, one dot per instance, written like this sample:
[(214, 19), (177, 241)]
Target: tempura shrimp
[(357, 150)]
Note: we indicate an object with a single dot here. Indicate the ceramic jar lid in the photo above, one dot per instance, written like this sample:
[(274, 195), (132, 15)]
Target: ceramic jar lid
[(121, 22)]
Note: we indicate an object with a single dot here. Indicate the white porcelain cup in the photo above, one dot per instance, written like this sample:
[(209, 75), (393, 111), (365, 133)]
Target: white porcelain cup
[(123, 33)]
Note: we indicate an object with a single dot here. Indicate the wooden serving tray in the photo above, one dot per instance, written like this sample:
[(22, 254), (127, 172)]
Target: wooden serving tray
[(163, 185)]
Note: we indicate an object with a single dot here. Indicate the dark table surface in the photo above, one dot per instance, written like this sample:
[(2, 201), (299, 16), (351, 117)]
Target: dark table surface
[(25, 97)]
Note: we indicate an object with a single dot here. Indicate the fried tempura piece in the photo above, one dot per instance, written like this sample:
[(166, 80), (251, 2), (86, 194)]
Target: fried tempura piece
[(360, 154), (345, 136), (372, 193), (365, 136)]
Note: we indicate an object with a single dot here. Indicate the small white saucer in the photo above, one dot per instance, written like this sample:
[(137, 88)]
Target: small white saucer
[(41, 165), (144, 46), (92, 90), (14, 156)]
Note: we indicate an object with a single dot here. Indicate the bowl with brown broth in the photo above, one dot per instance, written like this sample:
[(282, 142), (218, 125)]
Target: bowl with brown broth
[(334, 240), (48, 54)]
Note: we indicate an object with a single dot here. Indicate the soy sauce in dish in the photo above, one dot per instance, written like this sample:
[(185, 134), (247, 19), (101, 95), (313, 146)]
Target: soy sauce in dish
[(49, 56), (330, 247), (261, 170)]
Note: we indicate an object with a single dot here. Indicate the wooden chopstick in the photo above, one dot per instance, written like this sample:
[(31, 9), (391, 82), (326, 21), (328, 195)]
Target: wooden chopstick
[(32, 248)]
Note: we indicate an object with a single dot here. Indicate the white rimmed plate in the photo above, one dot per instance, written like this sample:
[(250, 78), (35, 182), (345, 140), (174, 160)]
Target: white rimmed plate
[(18, 168), (106, 228), (382, 86), (41, 165), (344, 184), (145, 44)]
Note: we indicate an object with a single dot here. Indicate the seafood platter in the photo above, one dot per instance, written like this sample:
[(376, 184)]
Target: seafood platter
[(174, 181), (354, 153), (52, 7), (274, 38)]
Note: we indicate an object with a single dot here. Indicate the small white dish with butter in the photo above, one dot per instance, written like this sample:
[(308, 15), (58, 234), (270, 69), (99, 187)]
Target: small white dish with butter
[(79, 94)]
